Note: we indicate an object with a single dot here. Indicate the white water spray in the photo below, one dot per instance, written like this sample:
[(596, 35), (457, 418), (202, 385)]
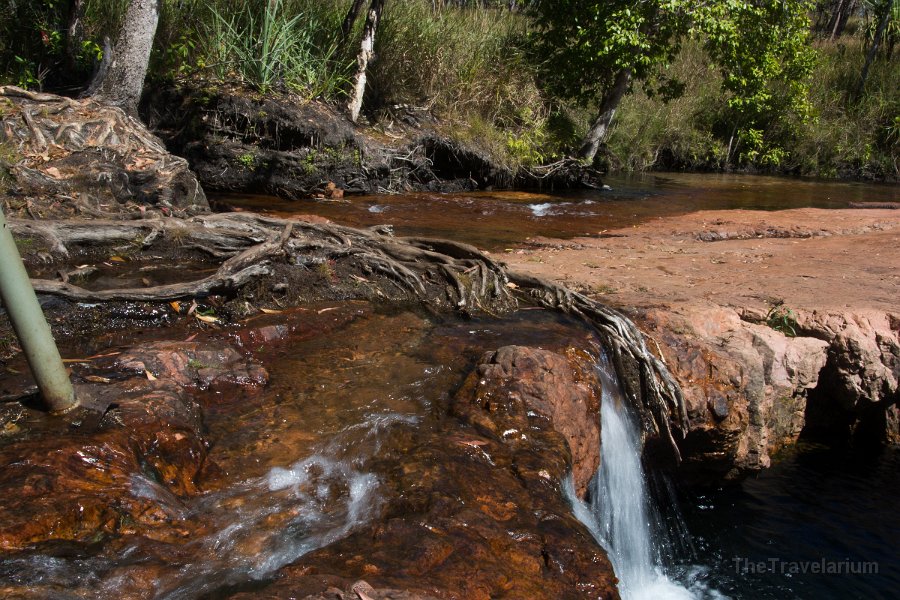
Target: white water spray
[(619, 514)]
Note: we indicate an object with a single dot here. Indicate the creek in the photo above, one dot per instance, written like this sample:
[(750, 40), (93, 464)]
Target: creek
[(812, 506), (498, 220), (311, 459)]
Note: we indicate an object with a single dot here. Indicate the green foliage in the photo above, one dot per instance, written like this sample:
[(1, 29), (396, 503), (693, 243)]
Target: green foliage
[(780, 318), (583, 45), (760, 47), (248, 159)]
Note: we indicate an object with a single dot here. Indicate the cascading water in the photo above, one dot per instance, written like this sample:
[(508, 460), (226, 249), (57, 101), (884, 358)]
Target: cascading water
[(619, 514)]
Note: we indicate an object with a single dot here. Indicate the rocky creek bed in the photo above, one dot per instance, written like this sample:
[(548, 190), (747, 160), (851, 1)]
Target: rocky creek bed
[(183, 328)]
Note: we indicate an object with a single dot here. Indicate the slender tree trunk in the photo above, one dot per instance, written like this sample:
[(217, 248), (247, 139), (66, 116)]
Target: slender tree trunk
[(74, 32), (839, 21), (366, 52), (870, 57), (608, 106), (349, 21), (121, 81)]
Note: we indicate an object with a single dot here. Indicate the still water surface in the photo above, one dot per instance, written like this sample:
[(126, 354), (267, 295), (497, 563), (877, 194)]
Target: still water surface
[(496, 220)]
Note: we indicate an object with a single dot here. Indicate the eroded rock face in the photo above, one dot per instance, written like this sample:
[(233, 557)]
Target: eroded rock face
[(69, 158), (750, 390), (860, 385), (744, 385)]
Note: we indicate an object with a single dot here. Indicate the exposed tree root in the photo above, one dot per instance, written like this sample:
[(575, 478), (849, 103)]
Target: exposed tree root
[(255, 253), (646, 380)]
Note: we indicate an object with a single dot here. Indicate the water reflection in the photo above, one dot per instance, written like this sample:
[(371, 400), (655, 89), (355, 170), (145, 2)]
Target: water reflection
[(496, 220)]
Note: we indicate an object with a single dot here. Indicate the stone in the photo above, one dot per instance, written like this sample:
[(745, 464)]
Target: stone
[(517, 389), (199, 364)]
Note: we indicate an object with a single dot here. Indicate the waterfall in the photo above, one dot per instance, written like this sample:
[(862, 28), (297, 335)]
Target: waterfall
[(619, 514)]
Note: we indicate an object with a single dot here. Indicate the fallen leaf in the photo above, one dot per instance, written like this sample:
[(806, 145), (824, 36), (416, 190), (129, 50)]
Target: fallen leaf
[(512, 286), (176, 306), (271, 311), (150, 375), (117, 258), (206, 318), (98, 379)]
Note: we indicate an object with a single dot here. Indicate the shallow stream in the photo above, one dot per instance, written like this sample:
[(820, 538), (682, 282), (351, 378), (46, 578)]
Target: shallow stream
[(299, 464), (812, 507), (498, 220)]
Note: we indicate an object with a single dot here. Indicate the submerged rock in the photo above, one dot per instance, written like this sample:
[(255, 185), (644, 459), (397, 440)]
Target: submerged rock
[(473, 510), (123, 461)]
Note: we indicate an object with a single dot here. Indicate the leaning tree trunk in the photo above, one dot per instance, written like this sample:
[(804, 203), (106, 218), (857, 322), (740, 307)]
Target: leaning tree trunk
[(608, 106), (121, 79), (366, 52)]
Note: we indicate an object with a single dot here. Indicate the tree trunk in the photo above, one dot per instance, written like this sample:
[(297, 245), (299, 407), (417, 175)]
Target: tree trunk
[(74, 32), (839, 20), (121, 80), (349, 21), (608, 106), (879, 34), (366, 52)]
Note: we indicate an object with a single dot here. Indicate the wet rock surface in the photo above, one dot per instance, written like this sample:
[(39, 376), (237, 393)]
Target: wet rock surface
[(477, 511), (179, 469), (517, 390), (69, 158), (119, 464)]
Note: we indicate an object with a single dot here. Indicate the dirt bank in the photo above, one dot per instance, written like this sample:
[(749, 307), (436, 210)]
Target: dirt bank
[(777, 324)]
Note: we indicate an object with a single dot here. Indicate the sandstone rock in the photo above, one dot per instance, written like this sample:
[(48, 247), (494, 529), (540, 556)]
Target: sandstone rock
[(745, 385), (860, 385), (193, 364), (82, 158), (750, 390), (518, 389)]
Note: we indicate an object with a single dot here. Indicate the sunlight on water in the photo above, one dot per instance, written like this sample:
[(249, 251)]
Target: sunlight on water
[(619, 515), (540, 210)]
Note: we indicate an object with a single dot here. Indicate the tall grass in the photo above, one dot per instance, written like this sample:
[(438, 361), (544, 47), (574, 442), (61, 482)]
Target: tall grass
[(469, 67)]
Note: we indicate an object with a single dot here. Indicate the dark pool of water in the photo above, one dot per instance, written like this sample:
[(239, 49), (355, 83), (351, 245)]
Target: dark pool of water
[(495, 220), (815, 510)]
